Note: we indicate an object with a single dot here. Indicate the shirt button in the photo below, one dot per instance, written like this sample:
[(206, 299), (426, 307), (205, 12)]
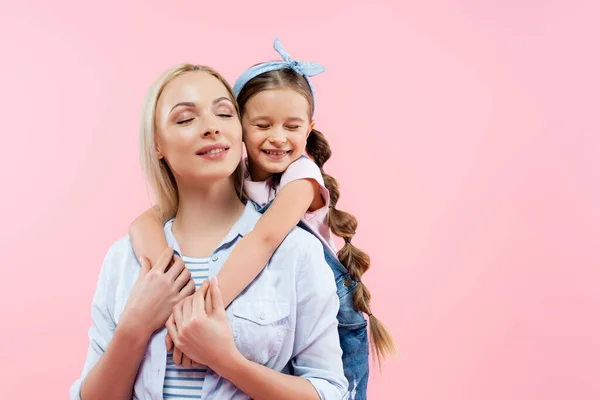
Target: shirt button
[(263, 315), (215, 257)]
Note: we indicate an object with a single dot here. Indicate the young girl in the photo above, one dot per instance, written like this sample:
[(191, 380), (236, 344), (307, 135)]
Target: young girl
[(276, 101)]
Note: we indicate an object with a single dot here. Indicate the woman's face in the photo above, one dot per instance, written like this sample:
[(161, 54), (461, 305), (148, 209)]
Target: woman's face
[(198, 131)]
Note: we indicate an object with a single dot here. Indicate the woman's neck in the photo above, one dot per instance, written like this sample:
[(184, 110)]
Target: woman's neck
[(205, 216)]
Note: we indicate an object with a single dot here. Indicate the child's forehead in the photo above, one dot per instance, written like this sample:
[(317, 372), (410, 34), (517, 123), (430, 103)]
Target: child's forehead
[(280, 99)]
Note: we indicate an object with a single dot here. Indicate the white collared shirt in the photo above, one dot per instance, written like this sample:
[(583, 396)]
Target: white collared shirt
[(287, 314)]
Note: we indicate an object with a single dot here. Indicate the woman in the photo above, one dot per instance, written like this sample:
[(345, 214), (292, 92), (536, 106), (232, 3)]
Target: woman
[(191, 145)]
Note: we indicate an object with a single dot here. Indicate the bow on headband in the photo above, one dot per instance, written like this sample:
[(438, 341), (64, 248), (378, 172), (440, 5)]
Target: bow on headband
[(304, 68)]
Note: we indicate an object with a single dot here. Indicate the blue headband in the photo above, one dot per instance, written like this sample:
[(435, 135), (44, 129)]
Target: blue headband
[(304, 68)]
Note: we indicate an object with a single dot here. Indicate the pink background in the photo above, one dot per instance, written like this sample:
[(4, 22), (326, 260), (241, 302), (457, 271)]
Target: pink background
[(466, 141)]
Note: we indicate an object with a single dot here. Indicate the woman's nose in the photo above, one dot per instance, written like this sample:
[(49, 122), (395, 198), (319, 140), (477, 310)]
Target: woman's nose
[(211, 131)]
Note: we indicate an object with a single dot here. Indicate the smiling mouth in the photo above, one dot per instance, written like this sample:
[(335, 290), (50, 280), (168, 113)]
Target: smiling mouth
[(277, 153), (214, 151)]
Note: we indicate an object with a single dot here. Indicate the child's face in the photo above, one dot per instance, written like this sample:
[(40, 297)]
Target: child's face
[(276, 124)]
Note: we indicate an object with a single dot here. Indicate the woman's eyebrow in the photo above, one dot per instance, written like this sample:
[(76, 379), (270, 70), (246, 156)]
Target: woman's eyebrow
[(190, 104), (220, 99), (182, 104)]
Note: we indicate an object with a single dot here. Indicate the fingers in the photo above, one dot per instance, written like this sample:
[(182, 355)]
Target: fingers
[(164, 260), (208, 303), (198, 299), (195, 364), (172, 328), (187, 308), (177, 356), (183, 278), (216, 296), (169, 342), (186, 362), (176, 269), (178, 316), (145, 264), (187, 290)]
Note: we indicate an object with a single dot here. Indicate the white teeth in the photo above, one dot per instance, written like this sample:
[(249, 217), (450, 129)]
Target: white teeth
[(214, 151), (276, 153)]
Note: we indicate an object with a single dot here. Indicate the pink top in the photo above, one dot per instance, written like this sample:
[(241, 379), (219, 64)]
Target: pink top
[(303, 168)]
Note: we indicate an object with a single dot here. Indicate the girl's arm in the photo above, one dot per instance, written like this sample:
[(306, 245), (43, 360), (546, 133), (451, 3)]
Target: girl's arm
[(253, 252), (255, 249), (147, 235)]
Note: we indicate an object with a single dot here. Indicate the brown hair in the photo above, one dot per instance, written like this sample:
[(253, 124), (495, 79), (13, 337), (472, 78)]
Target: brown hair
[(157, 171), (341, 223)]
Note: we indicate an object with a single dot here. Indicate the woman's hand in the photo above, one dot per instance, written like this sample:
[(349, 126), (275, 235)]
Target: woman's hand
[(178, 357), (205, 337), (156, 291)]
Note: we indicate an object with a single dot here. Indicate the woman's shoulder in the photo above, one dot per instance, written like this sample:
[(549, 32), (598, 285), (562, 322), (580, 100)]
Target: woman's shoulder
[(120, 259), (301, 245), (118, 273), (121, 249), (302, 254), (298, 241)]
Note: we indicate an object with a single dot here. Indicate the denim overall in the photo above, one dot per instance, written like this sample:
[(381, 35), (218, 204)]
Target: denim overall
[(352, 326)]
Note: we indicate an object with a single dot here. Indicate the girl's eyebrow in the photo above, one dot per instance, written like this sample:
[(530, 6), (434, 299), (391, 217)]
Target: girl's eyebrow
[(259, 117), (296, 119)]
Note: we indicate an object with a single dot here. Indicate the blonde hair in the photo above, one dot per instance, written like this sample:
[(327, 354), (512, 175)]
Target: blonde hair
[(157, 171)]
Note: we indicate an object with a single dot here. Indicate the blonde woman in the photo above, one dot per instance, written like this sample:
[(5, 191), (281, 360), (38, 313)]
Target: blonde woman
[(191, 147)]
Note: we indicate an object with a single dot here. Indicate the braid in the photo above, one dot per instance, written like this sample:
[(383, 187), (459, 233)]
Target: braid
[(356, 261)]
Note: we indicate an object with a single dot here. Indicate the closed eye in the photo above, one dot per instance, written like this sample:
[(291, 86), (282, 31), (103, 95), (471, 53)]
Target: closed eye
[(292, 127), (185, 121), (262, 126), (225, 115)]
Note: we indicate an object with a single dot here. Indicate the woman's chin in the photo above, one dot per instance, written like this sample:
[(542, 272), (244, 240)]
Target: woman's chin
[(208, 175)]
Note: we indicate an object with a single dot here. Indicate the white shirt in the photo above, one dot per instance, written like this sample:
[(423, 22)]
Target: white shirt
[(288, 313)]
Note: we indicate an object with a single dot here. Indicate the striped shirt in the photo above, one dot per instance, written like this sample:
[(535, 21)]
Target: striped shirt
[(180, 382)]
